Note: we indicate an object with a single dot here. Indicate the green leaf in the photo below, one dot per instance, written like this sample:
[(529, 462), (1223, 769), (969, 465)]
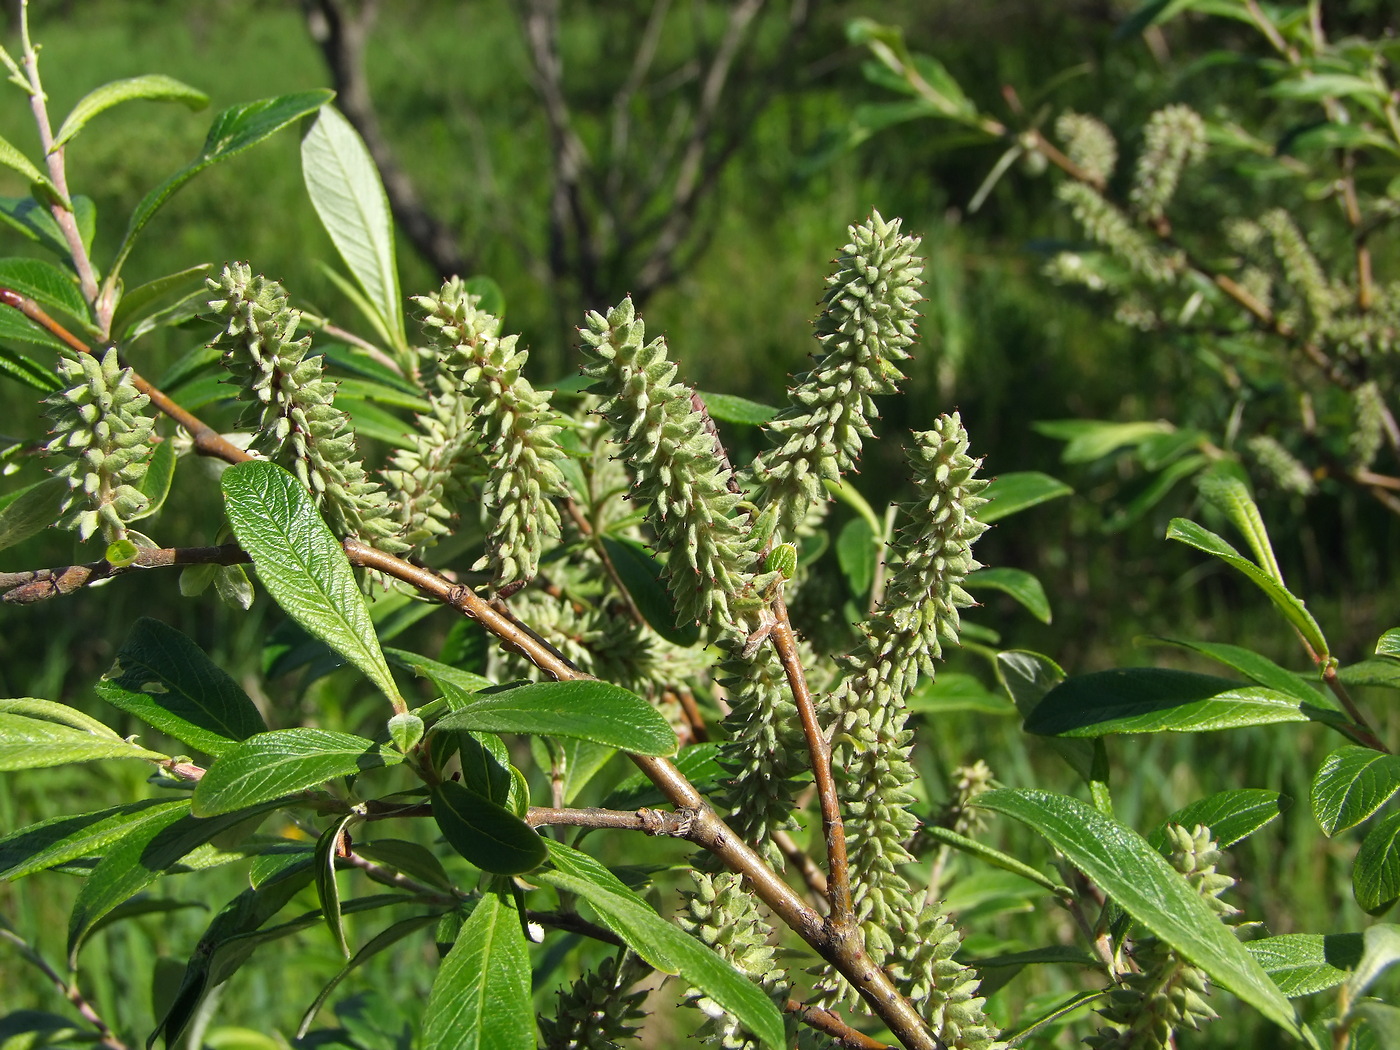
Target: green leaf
[(493, 299), (51, 711), (1380, 671), (728, 408), (951, 691), (1252, 665), (383, 393), (153, 87), (1389, 644), (168, 682), (1351, 784), (233, 130), (588, 710), (1375, 875), (155, 483), (995, 857), (327, 889), (302, 565), (36, 221), (69, 837), (1230, 815), (158, 841), (1018, 583), (661, 943), (1382, 1022), (1129, 870), (481, 994), (32, 743), (386, 938), (28, 511), (410, 858), (640, 573), (271, 765), (487, 835), (1304, 963), (345, 188), (1293, 609), (1010, 494), (51, 286), (143, 299), (1380, 951), (1027, 677), (1231, 496), (1091, 439), (856, 553), (1157, 700), (13, 159), (1314, 87), (23, 369)]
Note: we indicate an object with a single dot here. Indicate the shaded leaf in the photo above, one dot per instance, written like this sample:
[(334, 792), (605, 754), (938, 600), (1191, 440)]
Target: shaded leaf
[(1380, 672), (1231, 815), (167, 681), (481, 994), (641, 575), (1128, 869), (30, 510), (486, 834), (661, 943), (698, 763), (1380, 951), (22, 369), (36, 221), (856, 553), (48, 284), (410, 858), (142, 300), (1351, 784), (589, 710), (65, 838), (302, 565), (951, 691), (386, 938), (272, 765), (327, 889), (1157, 699)]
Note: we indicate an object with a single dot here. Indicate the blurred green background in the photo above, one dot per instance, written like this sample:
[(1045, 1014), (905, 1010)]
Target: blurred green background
[(998, 343)]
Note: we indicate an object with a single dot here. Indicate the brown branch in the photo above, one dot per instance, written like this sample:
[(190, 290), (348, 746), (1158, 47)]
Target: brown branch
[(648, 821), (341, 35), (833, 828), (831, 1024), (69, 991), (36, 585)]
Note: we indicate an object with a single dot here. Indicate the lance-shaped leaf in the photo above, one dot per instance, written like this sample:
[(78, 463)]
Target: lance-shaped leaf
[(1351, 784), (1012, 493), (168, 682), (464, 681), (1128, 869), (65, 838), (661, 943), (302, 565), (52, 287), (1018, 583), (384, 939), (157, 842), (327, 889), (1156, 700), (588, 710), (1253, 666), (344, 185), (488, 835), (271, 765), (481, 995), (51, 711), (1304, 963), (1293, 609), (233, 130), (153, 87), (12, 158), (640, 573), (36, 743)]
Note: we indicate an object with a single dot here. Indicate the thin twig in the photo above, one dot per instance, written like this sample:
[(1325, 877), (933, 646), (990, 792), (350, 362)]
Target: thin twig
[(830, 1023), (648, 821), (69, 990), (35, 585), (798, 857)]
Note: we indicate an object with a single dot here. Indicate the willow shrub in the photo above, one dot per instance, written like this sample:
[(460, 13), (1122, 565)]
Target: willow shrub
[(636, 585)]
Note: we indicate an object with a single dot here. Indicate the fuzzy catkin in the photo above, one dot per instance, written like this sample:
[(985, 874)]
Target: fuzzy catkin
[(599, 1010), (100, 425), (1107, 225), (1281, 466), (1089, 144), (482, 400), (297, 424), (679, 475), (1302, 273), (867, 322), (1174, 139)]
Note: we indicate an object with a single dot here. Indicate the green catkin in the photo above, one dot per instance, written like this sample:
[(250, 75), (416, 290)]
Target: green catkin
[(725, 917), (871, 741), (867, 322), (1174, 139), (679, 474), (1368, 433), (1108, 226), (100, 425), (297, 425), (1280, 465), (477, 376), (599, 1010), (1302, 273), (1089, 144), (1167, 993)]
